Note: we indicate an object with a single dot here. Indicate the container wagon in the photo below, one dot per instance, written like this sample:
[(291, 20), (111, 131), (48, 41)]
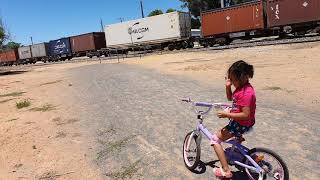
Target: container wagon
[(172, 30), (88, 44), (25, 55), (39, 52), (293, 16), (59, 49), (240, 21), (9, 58)]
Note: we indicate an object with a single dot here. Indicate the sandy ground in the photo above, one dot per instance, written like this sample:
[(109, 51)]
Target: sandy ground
[(41, 141), (46, 141), (284, 73)]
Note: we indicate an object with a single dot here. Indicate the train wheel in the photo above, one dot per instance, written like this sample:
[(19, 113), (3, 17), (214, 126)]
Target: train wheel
[(178, 46), (171, 47)]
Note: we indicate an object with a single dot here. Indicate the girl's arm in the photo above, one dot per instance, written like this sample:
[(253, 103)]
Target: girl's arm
[(228, 90), (243, 115)]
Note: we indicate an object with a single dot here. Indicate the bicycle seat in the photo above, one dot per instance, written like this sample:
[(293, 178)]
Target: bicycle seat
[(241, 138)]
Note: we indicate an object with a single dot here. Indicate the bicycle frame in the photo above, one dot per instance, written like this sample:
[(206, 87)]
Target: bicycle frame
[(202, 130)]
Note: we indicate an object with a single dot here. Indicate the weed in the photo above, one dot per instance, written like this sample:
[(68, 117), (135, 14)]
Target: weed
[(13, 94), (44, 108), (53, 82), (273, 88), (12, 119), (61, 135), (110, 131), (112, 147), (23, 104), (128, 172)]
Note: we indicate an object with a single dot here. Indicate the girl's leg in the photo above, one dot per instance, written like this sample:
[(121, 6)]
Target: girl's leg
[(223, 135)]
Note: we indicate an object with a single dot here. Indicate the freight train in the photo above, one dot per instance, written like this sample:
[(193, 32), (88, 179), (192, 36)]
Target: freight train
[(173, 31)]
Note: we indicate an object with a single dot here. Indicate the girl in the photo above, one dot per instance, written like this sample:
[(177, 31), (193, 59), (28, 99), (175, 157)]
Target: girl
[(241, 115)]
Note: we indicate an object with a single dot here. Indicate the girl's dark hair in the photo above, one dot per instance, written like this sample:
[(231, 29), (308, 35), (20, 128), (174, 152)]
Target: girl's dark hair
[(241, 71)]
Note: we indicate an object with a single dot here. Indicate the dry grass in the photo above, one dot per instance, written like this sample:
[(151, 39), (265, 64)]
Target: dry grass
[(127, 172), (52, 82), (110, 147), (14, 119), (23, 104), (6, 100), (13, 94), (44, 108), (272, 88)]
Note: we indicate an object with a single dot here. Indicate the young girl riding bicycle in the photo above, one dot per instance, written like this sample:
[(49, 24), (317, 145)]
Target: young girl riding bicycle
[(241, 115)]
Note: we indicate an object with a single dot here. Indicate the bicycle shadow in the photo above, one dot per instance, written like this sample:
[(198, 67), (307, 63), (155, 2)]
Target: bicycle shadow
[(202, 168)]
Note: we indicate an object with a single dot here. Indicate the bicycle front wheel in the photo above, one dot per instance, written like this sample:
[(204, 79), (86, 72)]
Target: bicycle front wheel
[(191, 151), (272, 164)]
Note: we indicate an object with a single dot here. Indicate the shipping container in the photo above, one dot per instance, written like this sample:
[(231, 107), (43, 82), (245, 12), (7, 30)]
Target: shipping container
[(84, 43), (162, 28), (236, 20), (39, 50), (288, 12), (60, 49), (25, 52), (9, 57)]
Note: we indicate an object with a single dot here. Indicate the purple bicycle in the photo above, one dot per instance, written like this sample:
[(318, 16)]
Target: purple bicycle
[(258, 163)]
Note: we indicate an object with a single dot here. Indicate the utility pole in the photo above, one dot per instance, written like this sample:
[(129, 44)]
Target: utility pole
[(31, 40), (101, 24), (141, 6), (222, 3)]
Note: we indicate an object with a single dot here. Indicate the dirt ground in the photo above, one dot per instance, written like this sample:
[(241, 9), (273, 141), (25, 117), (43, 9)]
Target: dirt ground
[(284, 73), (46, 141)]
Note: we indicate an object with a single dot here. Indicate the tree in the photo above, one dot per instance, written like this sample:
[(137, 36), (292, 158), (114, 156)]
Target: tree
[(4, 34), (12, 45), (171, 10), (155, 12)]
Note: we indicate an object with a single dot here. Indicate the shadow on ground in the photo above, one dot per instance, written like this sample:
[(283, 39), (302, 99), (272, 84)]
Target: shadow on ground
[(5, 73), (202, 168)]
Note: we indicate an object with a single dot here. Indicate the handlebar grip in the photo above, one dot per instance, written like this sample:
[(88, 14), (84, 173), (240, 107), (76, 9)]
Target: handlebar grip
[(203, 104), (186, 100)]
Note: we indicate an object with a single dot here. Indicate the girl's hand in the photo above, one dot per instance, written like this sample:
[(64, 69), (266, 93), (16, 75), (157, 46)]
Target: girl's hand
[(228, 83), (222, 114)]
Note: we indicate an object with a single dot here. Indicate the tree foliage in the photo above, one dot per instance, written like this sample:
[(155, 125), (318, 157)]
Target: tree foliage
[(171, 10), (155, 12), (12, 45), (4, 34)]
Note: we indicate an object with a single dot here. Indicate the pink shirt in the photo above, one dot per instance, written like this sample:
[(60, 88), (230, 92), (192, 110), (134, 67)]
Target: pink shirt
[(244, 97)]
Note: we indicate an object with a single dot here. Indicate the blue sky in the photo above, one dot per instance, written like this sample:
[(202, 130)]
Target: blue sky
[(46, 20)]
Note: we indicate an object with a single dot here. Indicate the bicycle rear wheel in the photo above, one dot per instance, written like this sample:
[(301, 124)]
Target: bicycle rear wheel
[(273, 165), (191, 151)]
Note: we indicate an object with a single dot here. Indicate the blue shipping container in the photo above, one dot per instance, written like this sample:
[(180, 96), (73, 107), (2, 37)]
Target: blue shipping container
[(60, 47)]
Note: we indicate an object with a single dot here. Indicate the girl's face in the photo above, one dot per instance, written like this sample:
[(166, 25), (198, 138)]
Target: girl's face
[(236, 83)]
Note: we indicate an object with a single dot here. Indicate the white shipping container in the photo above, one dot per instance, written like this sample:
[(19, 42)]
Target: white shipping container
[(39, 50), (150, 30), (24, 52)]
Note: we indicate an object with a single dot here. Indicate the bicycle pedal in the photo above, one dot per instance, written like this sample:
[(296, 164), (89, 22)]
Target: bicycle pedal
[(259, 158)]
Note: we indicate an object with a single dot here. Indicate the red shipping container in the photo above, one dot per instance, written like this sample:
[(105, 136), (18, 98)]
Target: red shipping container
[(9, 56), (87, 42), (287, 12), (243, 17)]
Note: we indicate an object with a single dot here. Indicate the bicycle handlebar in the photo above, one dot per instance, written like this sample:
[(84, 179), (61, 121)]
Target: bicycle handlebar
[(206, 104)]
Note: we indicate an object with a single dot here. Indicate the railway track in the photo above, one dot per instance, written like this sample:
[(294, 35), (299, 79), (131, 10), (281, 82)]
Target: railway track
[(237, 44)]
